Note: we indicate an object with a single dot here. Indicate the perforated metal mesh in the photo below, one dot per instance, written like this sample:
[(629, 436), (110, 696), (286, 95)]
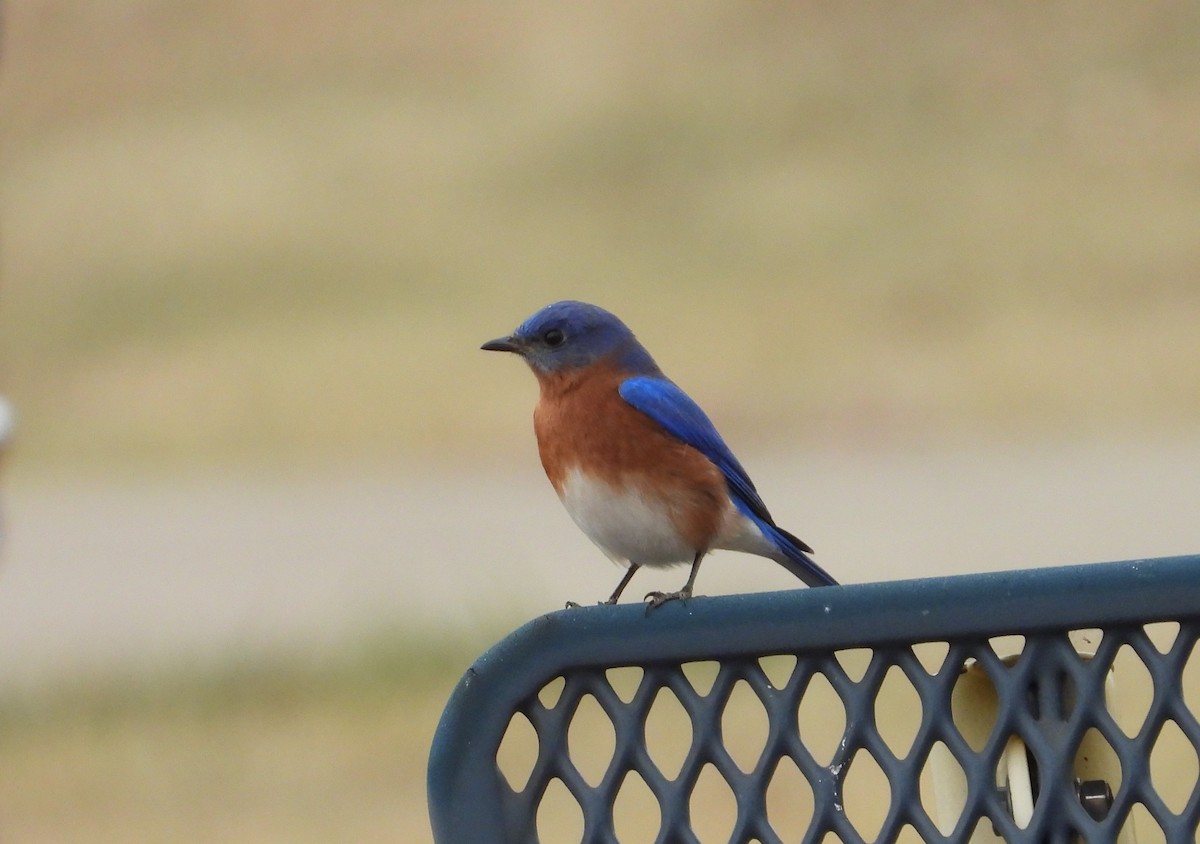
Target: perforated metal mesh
[(840, 714)]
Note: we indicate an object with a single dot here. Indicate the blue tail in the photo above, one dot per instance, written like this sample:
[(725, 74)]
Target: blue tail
[(795, 559)]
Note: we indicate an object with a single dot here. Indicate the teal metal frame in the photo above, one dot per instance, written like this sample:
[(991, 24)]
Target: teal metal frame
[(1049, 697)]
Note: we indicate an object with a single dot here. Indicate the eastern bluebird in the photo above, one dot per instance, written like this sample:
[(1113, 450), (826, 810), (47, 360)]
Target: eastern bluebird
[(637, 463)]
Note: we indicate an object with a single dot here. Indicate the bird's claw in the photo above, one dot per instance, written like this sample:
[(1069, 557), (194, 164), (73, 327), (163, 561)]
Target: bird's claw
[(572, 605), (657, 599)]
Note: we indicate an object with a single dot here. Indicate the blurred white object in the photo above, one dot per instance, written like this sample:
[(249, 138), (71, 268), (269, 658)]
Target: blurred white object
[(976, 702), (8, 421)]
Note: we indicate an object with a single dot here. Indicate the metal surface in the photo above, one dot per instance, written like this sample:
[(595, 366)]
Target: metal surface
[(1049, 697)]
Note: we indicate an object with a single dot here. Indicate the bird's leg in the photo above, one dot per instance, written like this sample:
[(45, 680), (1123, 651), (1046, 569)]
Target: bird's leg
[(657, 599), (612, 599)]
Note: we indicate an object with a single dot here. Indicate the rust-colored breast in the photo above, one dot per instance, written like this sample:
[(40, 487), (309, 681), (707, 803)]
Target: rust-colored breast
[(582, 423)]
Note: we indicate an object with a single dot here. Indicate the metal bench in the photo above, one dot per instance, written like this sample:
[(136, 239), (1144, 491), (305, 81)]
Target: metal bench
[(1050, 705)]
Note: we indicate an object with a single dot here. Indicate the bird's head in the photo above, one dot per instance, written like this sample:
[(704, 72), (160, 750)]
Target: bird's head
[(572, 335)]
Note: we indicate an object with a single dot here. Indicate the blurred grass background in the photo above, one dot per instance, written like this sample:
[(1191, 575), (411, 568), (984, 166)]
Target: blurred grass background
[(278, 231), (272, 234)]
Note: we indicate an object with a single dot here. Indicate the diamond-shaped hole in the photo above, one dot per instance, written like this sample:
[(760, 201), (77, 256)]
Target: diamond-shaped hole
[(668, 733), (931, 655), (559, 816), (591, 740), (973, 705), (854, 661), (625, 681), (744, 726), (1134, 691), (778, 669), (713, 806), (789, 801), (1162, 634), (701, 675), (551, 692), (865, 795), (943, 788), (635, 812), (518, 752), (1096, 760), (822, 719), (1143, 824), (1174, 768), (897, 711)]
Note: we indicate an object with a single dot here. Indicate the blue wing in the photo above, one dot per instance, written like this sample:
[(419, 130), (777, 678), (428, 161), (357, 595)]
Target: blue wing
[(674, 409)]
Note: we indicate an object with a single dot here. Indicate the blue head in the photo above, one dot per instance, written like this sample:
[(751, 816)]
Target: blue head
[(571, 335)]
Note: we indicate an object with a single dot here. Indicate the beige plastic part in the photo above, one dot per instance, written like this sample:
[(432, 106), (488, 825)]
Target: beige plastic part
[(1015, 776), (974, 705)]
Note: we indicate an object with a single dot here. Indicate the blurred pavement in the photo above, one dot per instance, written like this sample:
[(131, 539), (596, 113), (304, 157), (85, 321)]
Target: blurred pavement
[(97, 573)]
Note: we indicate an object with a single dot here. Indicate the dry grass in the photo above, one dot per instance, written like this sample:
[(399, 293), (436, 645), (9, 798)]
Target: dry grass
[(273, 230), (272, 749)]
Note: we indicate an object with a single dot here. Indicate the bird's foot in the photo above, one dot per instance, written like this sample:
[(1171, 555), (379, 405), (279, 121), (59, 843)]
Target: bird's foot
[(572, 605), (657, 599)]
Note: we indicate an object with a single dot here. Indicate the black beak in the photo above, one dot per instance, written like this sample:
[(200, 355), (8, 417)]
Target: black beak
[(503, 344)]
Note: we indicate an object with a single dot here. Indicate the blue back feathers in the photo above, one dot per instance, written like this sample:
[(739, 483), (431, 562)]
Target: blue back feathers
[(674, 409), (671, 407)]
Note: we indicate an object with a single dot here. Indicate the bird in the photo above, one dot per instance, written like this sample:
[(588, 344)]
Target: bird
[(638, 465)]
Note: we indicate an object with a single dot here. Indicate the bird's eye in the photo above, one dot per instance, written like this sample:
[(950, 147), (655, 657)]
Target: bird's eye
[(553, 337)]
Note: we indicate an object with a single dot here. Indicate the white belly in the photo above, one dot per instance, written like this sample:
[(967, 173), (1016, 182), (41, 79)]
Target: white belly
[(625, 524), (629, 526)]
